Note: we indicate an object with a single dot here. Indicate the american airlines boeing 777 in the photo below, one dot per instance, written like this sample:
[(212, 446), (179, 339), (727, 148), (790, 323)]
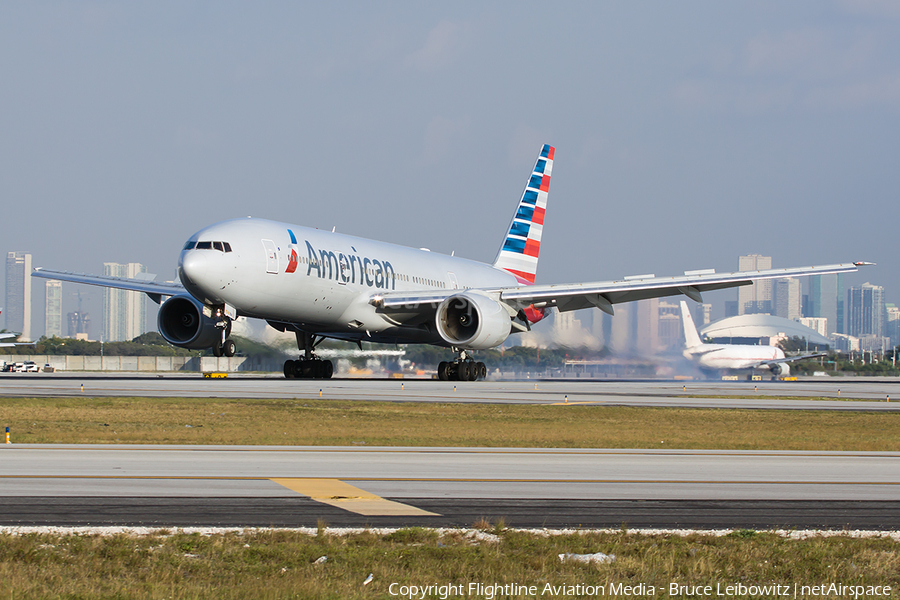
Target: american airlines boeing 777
[(320, 284)]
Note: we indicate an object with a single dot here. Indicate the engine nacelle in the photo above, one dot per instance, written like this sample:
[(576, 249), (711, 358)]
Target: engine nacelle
[(472, 320), (780, 369), (182, 323)]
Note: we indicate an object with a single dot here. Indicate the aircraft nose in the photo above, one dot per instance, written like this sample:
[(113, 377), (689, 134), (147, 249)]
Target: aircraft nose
[(194, 264)]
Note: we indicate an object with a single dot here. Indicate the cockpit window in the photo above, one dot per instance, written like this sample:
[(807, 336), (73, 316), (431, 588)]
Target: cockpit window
[(220, 246)]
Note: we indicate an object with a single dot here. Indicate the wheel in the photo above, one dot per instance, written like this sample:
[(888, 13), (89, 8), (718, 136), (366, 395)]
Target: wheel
[(443, 371), (228, 348), (299, 369), (462, 372), (308, 369), (217, 351), (318, 369), (482, 370), (473, 371), (288, 369), (329, 369)]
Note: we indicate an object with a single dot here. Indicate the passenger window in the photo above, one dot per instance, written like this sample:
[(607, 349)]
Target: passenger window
[(218, 246), (204, 245), (227, 246)]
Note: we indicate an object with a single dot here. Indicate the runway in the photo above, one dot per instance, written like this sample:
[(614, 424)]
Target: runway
[(356, 486), (301, 486), (882, 394)]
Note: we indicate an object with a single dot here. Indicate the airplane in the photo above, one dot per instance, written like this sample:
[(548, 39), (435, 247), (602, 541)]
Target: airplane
[(321, 284), (6, 336), (721, 357)]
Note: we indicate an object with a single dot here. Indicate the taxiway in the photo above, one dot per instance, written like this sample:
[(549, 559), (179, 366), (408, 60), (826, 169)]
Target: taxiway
[(811, 394)]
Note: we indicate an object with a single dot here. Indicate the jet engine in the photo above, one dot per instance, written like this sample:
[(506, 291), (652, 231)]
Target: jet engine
[(182, 323), (472, 320), (780, 369)]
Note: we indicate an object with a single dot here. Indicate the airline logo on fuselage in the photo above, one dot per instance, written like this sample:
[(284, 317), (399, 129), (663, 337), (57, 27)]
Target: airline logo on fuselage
[(350, 268)]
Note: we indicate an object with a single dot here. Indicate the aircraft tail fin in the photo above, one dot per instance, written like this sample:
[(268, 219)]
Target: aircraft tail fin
[(522, 245), (691, 336)]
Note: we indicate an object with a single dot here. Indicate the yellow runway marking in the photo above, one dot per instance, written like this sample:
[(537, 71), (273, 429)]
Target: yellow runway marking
[(335, 492)]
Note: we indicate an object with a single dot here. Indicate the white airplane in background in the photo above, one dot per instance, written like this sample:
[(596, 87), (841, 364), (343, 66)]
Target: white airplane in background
[(321, 284), (732, 357), (6, 336)]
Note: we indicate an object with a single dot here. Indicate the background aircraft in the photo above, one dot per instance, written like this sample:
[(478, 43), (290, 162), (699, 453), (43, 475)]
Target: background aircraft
[(6, 336), (320, 284), (728, 357)]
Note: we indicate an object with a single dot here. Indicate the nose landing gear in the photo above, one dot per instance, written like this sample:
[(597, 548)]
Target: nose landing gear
[(226, 347)]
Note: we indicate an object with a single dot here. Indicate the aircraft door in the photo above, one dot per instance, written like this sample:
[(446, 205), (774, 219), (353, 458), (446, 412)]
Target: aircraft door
[(271, 256), (454, 284)]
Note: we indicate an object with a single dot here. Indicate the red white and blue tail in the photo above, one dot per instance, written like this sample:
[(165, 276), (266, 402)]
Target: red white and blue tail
[(520, 250)]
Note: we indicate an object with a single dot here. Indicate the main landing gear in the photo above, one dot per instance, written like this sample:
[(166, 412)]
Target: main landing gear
[(310, 366), (462, 369)]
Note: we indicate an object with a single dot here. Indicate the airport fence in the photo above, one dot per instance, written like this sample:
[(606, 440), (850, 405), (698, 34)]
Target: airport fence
[(147, 364)]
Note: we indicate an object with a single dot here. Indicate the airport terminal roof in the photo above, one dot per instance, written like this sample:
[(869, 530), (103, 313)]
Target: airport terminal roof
[(760, 326)]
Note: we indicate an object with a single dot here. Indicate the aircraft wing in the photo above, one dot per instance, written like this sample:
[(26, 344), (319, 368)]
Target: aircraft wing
[(154, 289), (788, 359), (605, 294)]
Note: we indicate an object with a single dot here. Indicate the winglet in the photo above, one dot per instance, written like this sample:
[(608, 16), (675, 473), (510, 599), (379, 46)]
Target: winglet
[(519, 252)]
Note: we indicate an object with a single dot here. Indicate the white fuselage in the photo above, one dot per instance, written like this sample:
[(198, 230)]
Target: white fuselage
[(732, 356), (320, 280)]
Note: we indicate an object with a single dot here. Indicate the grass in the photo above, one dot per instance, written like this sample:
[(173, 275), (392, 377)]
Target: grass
[(323, 422), (282, 564)]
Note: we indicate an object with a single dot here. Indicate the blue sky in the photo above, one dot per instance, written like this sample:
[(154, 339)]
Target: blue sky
[(687, 133)]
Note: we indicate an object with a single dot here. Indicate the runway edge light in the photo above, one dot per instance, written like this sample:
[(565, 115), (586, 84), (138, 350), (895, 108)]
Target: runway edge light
[(7, 435)]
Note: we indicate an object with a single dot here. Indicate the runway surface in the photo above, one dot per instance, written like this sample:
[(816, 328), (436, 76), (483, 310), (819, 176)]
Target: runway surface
[(299, 486), (838, 393)]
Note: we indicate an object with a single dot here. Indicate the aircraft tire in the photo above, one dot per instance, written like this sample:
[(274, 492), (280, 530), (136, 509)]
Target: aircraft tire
[(482, 370), (308, 369), (228, 348), (329, 369), (473, 371), (319, 369), (443, 371), (217, 351), (298, 369), (288, 369), (462, 373)]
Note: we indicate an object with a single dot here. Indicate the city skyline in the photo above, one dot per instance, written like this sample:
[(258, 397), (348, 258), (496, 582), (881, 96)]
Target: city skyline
[(636, 328)]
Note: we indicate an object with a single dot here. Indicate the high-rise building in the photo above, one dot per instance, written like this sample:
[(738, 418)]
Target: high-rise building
[(788, 298), (756, 298), (79, 324), (865, 310), (18, 294), (124, 312), (53, 309), (670, 329), (819, 324), (892, 325), (646, 326), (826, 299)]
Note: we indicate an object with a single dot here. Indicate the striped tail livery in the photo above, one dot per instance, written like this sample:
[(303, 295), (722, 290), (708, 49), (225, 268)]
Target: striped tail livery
[(520, 250)]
